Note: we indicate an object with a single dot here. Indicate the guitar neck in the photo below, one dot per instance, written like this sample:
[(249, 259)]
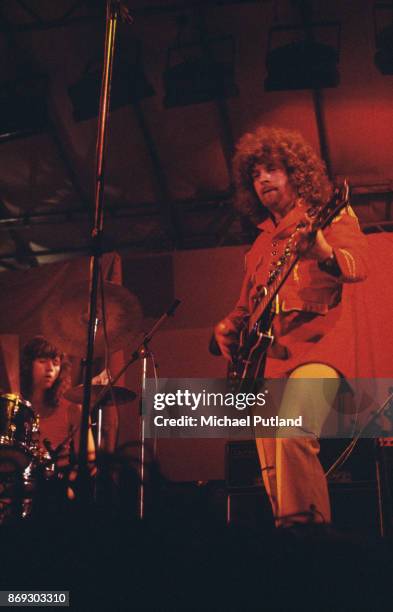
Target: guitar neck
[(272, 289)]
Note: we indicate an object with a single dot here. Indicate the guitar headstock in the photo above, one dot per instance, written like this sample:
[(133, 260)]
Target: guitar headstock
[(327, 213)]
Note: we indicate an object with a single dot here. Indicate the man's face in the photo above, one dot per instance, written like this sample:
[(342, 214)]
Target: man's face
[(45, 372), (272, 186)]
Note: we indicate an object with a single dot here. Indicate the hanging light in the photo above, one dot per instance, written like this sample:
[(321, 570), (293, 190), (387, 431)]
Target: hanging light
[(303, 63)]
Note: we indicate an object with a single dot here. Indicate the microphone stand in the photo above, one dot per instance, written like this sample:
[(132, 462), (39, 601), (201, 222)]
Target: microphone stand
[(114, 9), (141, 352), (144, 353)]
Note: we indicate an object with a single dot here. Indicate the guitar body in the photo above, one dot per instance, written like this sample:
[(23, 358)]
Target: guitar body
[(248, 365)]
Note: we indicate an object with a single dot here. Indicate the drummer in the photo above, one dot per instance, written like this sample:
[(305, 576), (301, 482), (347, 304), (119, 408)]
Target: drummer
[(45, 376)]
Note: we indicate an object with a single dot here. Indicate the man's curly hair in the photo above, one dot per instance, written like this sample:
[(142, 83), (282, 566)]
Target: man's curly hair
[(286, 148), (38, 347)]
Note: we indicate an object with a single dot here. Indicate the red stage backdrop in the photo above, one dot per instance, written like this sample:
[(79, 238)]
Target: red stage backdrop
[(207, 281)]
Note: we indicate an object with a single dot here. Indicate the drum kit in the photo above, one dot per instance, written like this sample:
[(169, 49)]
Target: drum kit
[(23, 455)]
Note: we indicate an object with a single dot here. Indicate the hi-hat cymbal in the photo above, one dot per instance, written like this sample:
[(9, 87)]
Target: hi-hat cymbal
[(64, 318), (121, 395)]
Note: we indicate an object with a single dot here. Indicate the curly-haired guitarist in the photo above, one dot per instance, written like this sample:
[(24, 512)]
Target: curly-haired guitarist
[(280, 183)]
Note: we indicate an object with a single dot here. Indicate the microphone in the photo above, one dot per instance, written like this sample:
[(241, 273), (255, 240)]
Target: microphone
[(171, 311)]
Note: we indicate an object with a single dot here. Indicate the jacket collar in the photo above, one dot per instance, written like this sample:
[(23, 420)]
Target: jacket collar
[(287, 224)]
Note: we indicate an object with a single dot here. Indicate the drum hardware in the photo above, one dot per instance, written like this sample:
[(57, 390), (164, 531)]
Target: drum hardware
[(11, 496), (17, 489), (18, 428), (20, 489), (22, 459), (101, 396)]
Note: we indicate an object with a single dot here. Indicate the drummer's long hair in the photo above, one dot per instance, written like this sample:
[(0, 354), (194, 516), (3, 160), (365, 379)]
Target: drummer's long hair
[(283, 148), (37, 348)]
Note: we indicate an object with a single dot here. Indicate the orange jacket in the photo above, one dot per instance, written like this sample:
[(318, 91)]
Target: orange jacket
[(309, 301)]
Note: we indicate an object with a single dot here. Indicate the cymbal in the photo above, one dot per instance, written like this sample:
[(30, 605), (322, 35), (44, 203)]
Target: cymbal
[(64, 318), (121, 394)]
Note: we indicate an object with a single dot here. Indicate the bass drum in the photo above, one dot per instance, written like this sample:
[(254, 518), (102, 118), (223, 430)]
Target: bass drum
[(18, 428)]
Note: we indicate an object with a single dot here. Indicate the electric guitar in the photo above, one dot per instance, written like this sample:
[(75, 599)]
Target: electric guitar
[(248, 361)]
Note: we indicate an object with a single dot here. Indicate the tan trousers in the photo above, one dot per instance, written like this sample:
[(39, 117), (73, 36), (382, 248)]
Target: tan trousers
[(292, 474)]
